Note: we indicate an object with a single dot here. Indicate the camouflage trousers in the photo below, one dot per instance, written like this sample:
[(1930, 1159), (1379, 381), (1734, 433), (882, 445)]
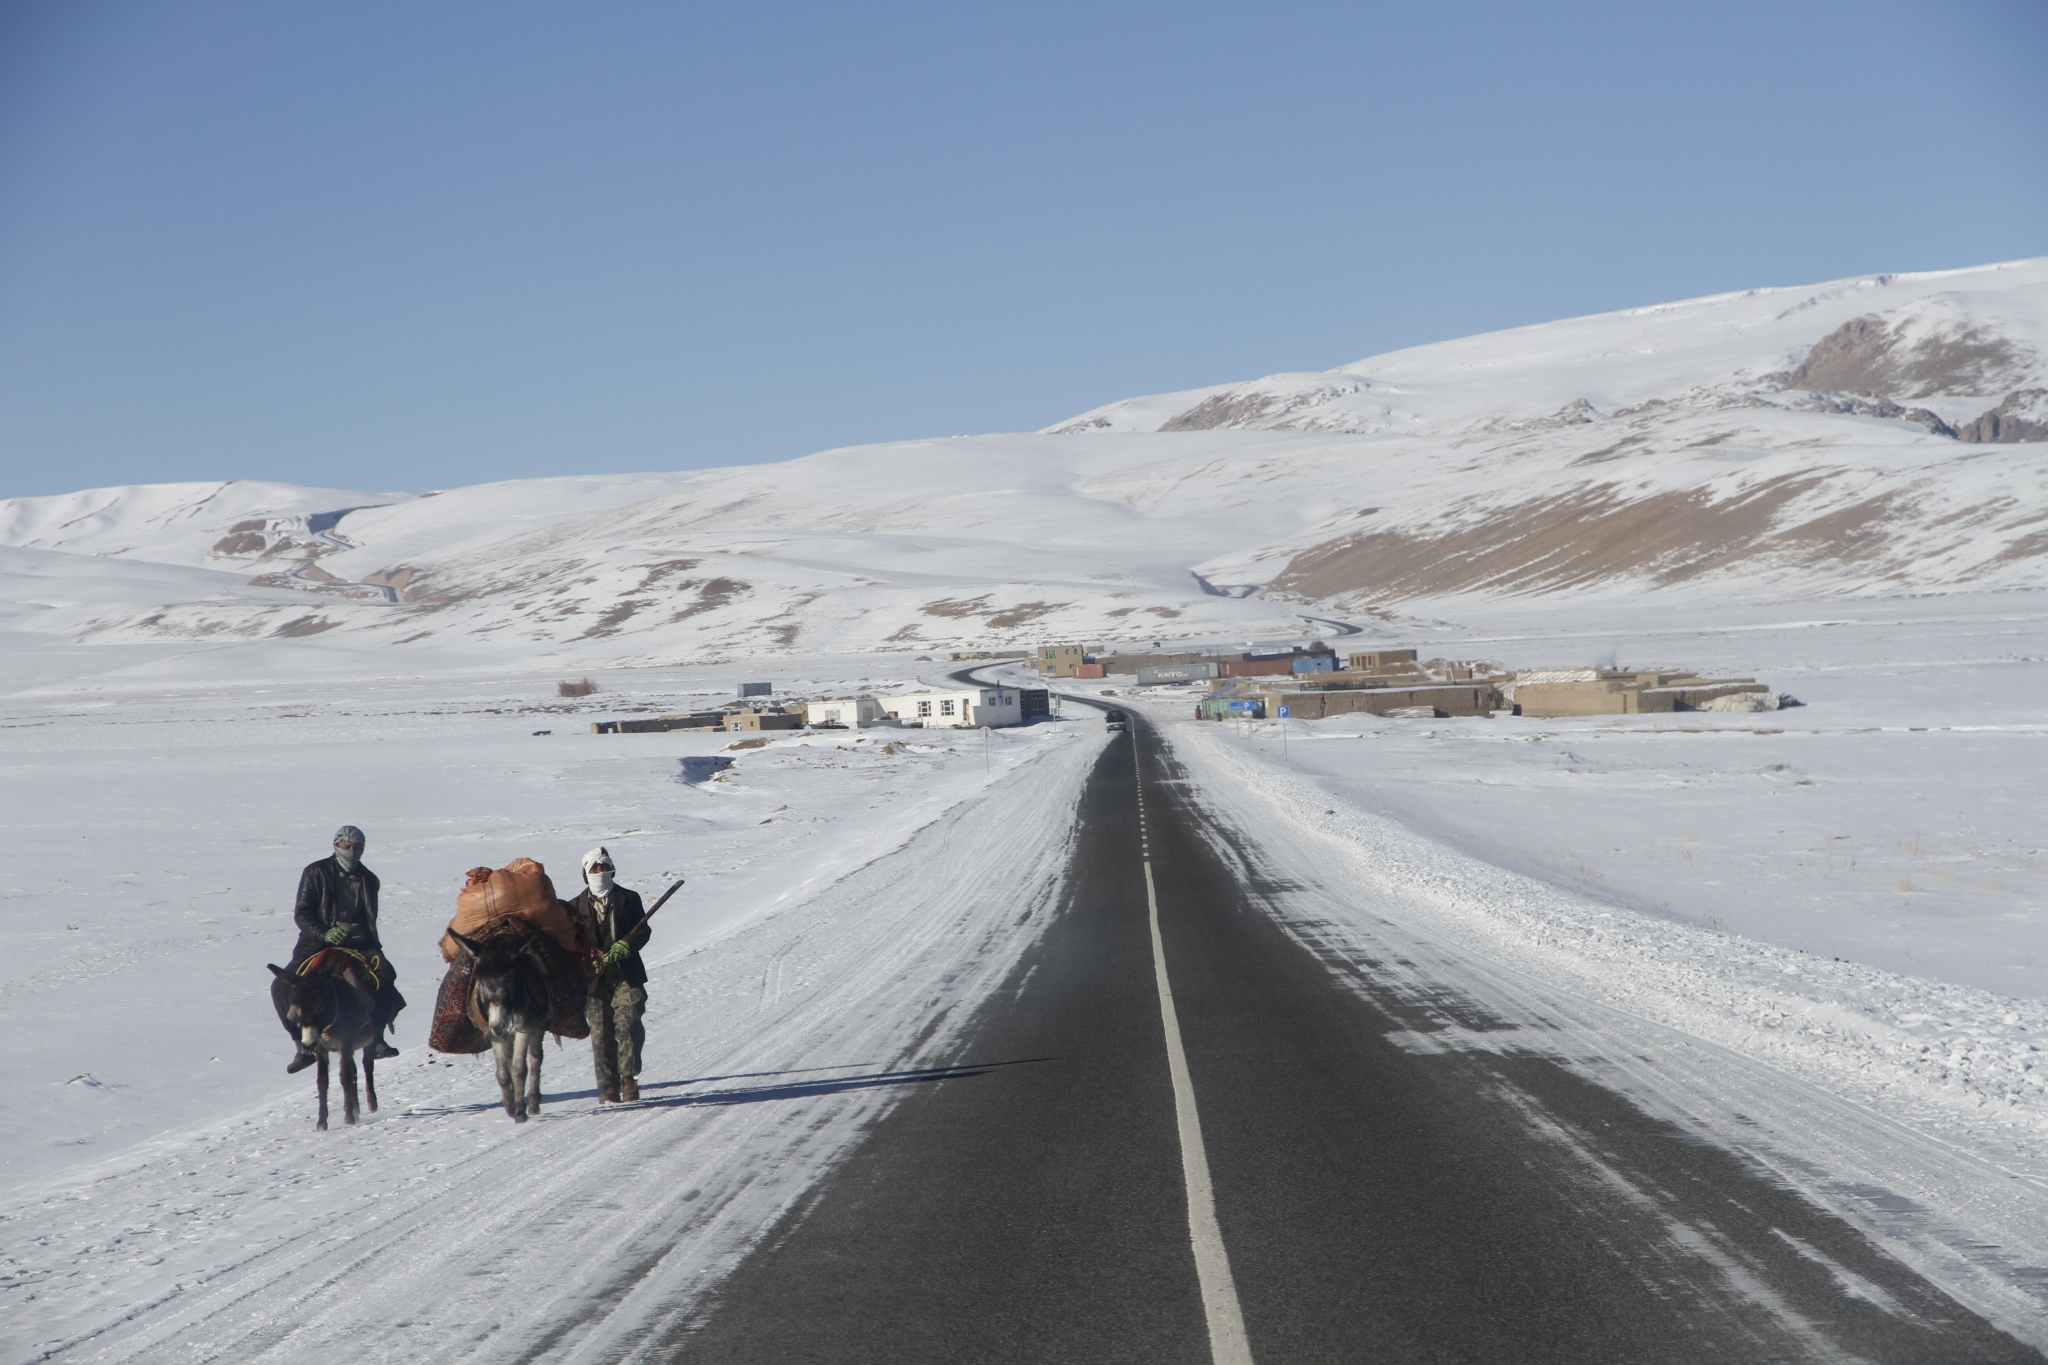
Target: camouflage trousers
[(613, 1011)]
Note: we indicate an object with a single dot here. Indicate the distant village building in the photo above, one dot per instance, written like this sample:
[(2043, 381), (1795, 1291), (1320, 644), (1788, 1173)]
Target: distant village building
[(1058, 661), (700, 720), (851, 713), (1254, 668), (966, 708), (1379, 660), (1395, 683), (764, 720), (1131, 663), (1615, 692), (1320, 704)]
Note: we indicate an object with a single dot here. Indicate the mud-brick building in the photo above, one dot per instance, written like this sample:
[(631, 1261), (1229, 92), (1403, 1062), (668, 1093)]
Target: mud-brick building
[(655, 725), (1620, 693), (1443, 700), (1381, 661), (764, 720)]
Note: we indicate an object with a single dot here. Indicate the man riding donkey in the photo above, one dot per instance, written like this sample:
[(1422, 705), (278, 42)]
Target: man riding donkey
[(618, 998), (337, 908)]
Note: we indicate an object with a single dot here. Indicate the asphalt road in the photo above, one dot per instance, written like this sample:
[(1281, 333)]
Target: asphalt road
[(1375, 1201)]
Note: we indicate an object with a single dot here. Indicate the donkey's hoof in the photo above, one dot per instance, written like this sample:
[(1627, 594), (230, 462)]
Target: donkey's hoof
[(321, 1126), (519, 1117)]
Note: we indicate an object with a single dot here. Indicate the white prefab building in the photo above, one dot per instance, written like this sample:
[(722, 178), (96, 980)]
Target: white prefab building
[(851, 712), (970, 707)]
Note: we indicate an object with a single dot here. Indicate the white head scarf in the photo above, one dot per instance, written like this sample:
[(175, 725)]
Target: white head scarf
[(347, 856), (597, 872)]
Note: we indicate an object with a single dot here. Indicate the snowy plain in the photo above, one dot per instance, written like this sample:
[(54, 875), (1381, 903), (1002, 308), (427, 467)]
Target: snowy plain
[(845, 893)]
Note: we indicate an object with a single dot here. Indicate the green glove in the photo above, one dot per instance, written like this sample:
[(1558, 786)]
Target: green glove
[(617, 953), (338, 934)]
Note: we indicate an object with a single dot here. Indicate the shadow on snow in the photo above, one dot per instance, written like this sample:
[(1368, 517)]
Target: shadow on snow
[(754, 1094)]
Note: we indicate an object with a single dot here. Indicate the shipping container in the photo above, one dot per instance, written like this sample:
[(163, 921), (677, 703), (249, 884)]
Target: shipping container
[(1176, 673)]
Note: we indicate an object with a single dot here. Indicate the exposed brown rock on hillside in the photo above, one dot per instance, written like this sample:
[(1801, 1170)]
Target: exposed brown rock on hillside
[(1870, 355), (955, 608), (1595, 533), (2023, 416), (1023, 612), (1255, 408), (1585, 534)]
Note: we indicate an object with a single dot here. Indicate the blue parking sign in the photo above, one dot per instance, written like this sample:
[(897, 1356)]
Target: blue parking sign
[(1283, 713)]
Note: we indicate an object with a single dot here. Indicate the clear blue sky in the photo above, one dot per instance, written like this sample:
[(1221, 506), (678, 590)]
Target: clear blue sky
[(421, 244)]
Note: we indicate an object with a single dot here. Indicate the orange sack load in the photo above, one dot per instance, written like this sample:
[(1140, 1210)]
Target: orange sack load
[(517, 894)]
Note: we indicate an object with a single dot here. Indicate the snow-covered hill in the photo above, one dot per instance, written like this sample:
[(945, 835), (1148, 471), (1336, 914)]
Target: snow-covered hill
[(198, 524), (1956, 343), (1870, 436)]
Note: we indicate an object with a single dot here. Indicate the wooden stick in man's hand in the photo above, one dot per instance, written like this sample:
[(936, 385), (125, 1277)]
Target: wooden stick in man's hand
[(650, 913)]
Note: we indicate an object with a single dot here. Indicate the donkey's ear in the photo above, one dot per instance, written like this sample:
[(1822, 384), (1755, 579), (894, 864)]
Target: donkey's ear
[(468, 945), (281, 973)]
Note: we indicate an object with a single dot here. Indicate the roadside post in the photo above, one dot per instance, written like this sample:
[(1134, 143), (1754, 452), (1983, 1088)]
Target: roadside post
[(985, 769)]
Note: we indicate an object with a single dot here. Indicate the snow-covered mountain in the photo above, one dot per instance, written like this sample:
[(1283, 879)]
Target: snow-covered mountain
[(1872, 436), (1955, 344)]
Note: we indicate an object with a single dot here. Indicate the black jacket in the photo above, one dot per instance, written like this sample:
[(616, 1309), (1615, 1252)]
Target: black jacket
[(329, 896), (622, 910)]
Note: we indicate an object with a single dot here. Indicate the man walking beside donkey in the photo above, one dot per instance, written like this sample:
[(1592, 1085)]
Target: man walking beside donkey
[(618, 998)]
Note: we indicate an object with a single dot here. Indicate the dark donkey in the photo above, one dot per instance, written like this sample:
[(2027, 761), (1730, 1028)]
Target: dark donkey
[(329, 1006), (510, 1001)]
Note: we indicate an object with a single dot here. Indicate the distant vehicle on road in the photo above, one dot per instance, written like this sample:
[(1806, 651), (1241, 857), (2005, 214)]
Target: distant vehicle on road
[(1115, 720)]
